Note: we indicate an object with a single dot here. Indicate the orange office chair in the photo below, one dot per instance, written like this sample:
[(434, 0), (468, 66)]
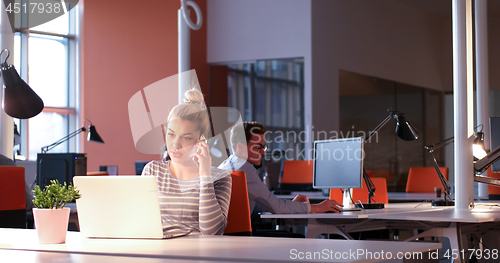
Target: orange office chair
[(361, 194), (424, 179), (297, 175), (12, 197), (97, 173), (493, 191), (238, 217)]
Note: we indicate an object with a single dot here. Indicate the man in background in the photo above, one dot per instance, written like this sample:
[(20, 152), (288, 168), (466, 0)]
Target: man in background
[(248, 147)]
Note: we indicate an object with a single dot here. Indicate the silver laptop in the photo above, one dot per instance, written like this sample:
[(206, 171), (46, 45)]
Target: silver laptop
[(118, 207)]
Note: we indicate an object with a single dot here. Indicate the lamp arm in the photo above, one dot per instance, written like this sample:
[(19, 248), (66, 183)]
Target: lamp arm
[(444, 181), (49, 147), (369, 185), (440, 144), (483, 164), (487, 180), (378, 127)]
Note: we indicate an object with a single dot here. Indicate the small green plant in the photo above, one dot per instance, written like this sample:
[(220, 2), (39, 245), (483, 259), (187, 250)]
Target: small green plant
[(54, 195)]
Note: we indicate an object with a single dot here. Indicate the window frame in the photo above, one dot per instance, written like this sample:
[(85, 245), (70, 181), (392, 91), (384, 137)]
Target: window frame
[(73, 78), (243, 97)]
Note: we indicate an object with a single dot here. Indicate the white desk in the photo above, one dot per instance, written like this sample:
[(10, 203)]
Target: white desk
[(7, 255), (346, 222), (396, 197), (207, 248), (434, 221), (389, 209)]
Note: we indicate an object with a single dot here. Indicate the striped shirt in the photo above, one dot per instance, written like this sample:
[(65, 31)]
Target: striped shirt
[(194, 206)]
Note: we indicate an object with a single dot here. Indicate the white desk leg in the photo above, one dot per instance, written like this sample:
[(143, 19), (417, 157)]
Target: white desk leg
[(314, 229), (453, 233)]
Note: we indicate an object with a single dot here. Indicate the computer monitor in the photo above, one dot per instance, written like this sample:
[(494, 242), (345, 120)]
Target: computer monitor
[(338, 163), (139, 166), (495, 140), (60, 166)]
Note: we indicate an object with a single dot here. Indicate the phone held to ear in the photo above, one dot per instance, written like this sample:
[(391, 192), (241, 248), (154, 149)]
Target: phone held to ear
[(197, 150)]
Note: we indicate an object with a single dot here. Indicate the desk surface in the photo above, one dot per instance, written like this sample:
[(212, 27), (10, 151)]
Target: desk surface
[(389, 209), (483, 212), (8, 255), (394, 197), (209, 248), (445, 215)]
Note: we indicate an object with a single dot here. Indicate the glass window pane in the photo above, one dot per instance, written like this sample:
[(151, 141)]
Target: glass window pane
[(45, 129), (59, 25), (260, 68), (279, 104), (260, 102), (273, 92), (280, 69), (17, 52), (48, 69)]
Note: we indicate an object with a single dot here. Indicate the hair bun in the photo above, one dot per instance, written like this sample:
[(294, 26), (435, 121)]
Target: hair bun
[(188, 101), (193, 96)]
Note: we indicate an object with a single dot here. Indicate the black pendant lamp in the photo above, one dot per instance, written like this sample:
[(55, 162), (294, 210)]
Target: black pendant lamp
[(19, 100), (404, 129), (93, 135)]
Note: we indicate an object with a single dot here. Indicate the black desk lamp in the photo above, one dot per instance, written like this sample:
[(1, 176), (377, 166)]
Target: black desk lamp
[(405, 131), (446, 185), (19, 100), (92, 136), (478, 152)]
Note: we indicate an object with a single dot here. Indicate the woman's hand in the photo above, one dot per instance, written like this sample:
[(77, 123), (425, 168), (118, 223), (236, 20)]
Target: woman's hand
[(203, 158)]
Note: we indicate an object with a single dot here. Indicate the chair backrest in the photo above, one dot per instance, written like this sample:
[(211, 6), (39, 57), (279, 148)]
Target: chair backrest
[(100, 173), (493, 190), (424, 179), (238, 217), (297, 175), (361, 194), (12, 188), (298, 172)]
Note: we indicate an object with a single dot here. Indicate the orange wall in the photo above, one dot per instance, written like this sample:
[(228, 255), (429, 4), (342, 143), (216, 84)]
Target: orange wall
[(126, 46)]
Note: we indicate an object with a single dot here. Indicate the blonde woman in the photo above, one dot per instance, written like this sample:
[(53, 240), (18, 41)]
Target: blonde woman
[(194, 196)]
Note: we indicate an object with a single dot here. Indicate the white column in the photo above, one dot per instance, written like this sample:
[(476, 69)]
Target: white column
[(184, 52), (482, 83), (6, 122), (462, 96)]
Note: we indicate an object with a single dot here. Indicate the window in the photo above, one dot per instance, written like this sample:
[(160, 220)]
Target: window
[(363, 104), (271, 92), (45, 56)]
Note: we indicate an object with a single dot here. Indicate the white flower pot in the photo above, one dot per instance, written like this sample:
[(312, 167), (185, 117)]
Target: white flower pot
[(51, 224)]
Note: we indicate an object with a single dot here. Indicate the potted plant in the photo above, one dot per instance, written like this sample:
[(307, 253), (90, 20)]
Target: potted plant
[(51, 217)]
